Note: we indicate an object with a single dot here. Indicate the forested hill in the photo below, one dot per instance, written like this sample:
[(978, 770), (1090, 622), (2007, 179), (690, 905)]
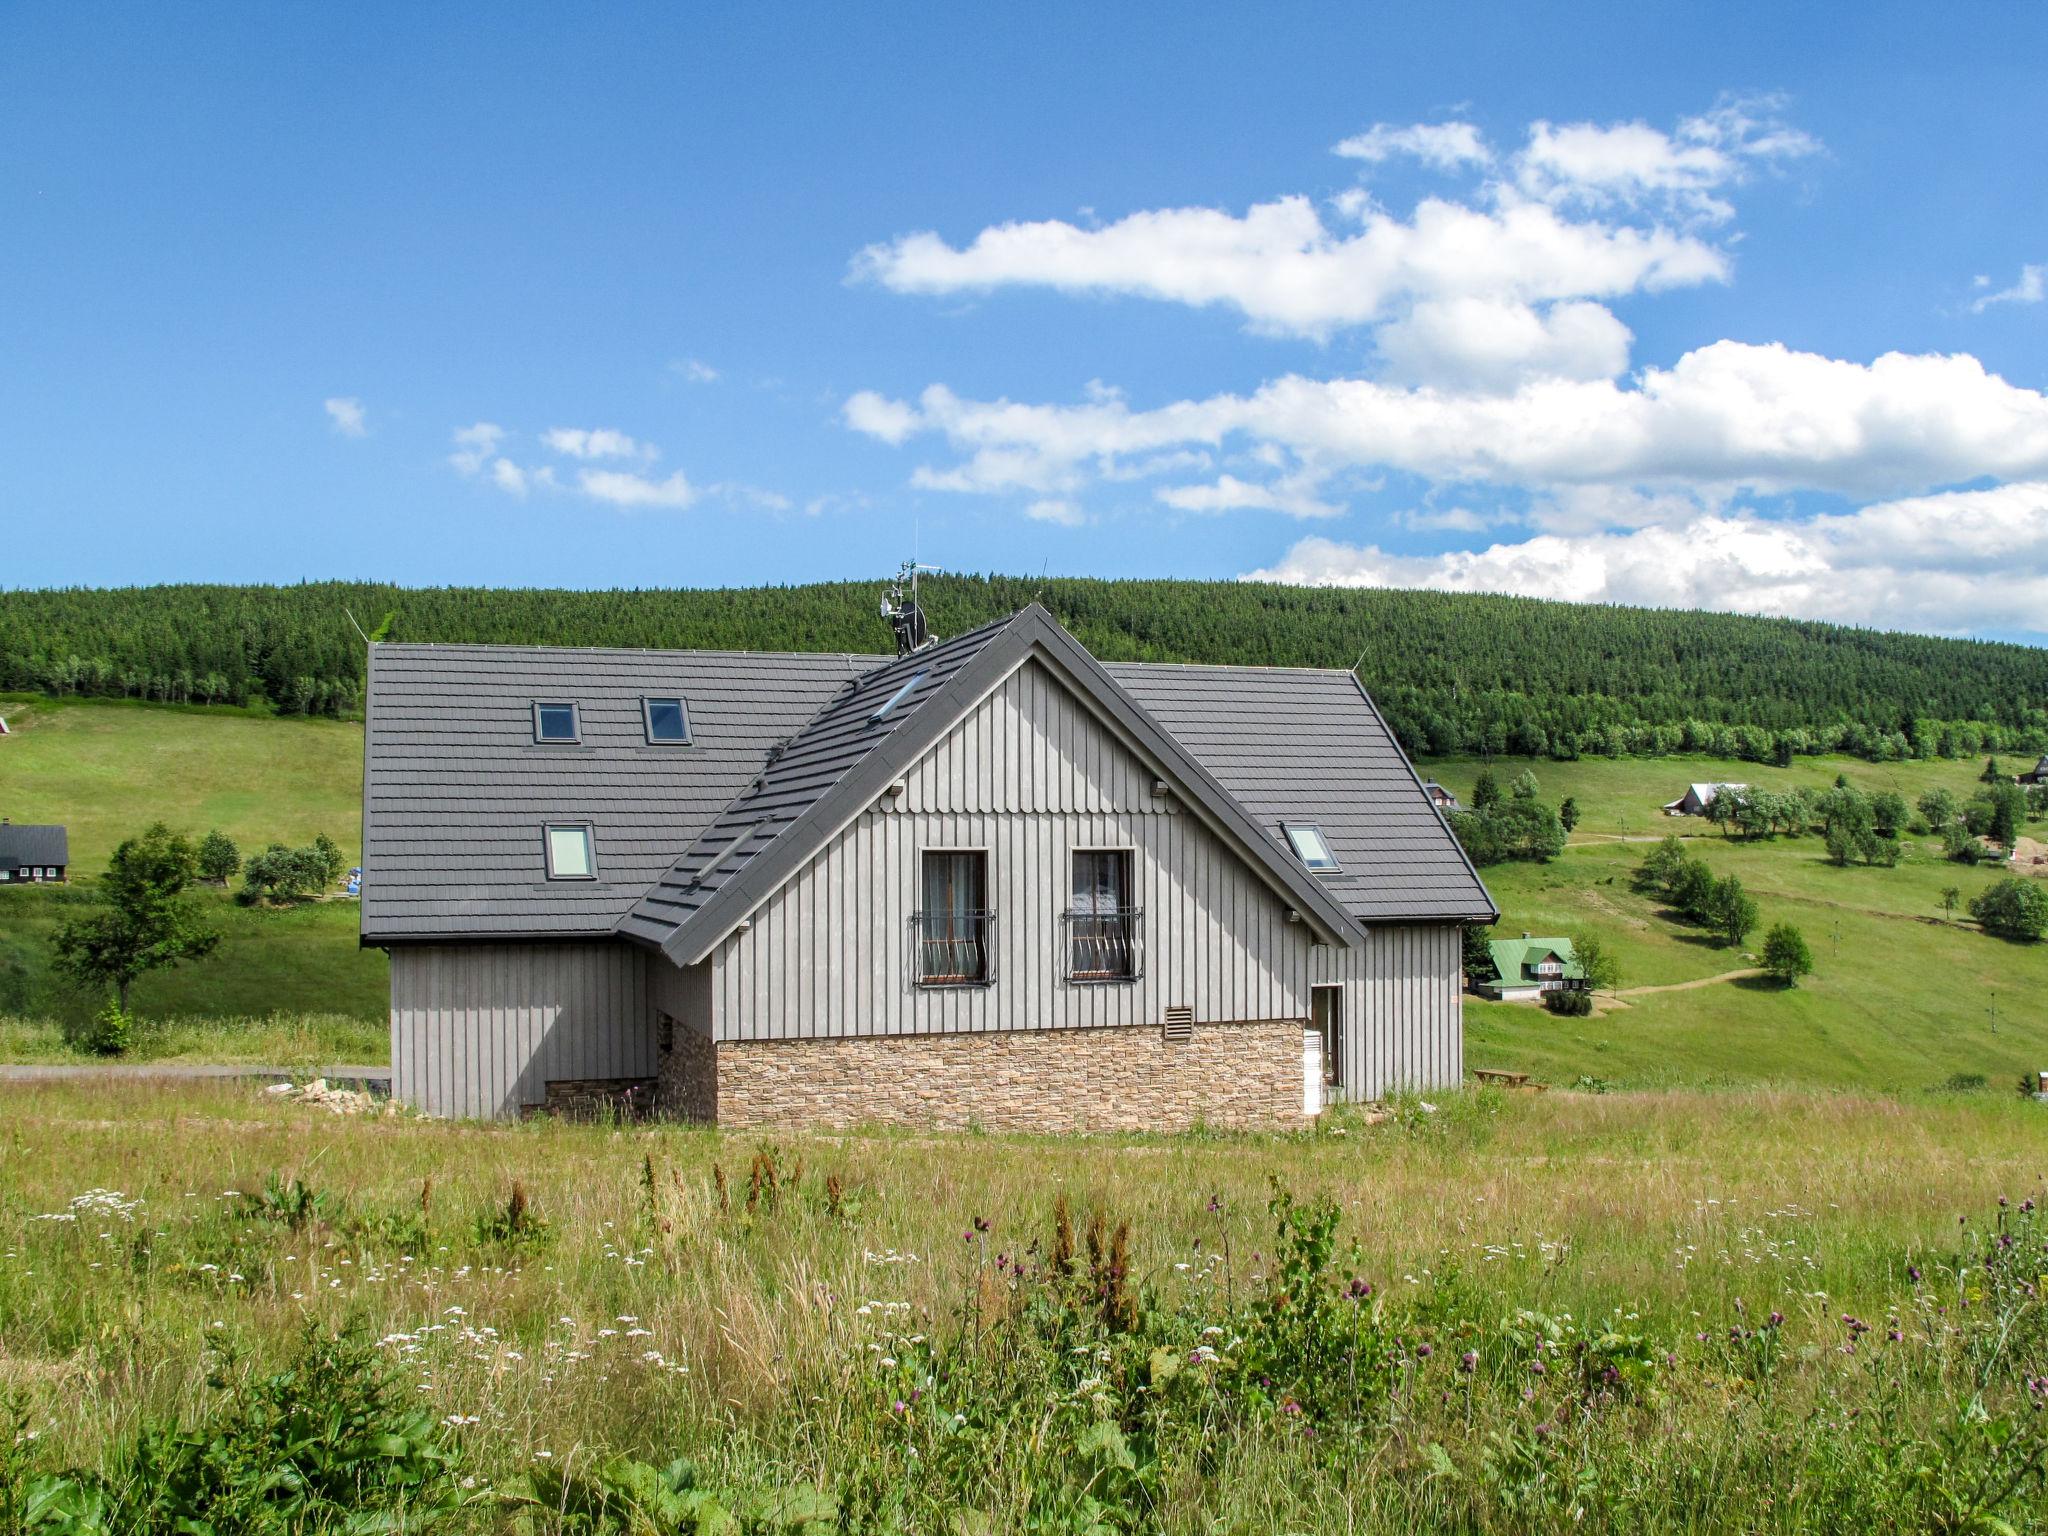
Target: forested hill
[(1453, 672)]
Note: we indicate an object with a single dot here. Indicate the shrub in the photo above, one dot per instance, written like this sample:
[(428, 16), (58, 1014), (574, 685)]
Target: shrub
[(108, 1032), (284, 874), (219, 859), (2012, 909), (1569, 1002), (1786, 955)]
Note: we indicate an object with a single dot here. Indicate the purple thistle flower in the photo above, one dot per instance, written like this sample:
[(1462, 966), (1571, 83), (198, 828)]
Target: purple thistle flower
[(1469, 1361), (1422, 1351)]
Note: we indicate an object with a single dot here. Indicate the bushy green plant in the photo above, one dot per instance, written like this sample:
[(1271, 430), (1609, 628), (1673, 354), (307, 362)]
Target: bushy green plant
[(107, 1031), (1786, 955), (2012, 908), (1569, 1002)]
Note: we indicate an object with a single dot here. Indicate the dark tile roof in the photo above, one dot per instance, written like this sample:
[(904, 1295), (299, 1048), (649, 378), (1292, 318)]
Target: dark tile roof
[(456, 791), (34, 845), (1293, 744), (788, 813)]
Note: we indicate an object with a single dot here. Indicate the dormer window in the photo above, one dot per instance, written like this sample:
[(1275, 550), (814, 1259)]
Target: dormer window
[(1310, 846), (557, 723), (896, 698), (667, 722)]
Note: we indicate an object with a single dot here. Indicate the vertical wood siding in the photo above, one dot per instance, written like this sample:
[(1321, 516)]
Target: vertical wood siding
[(481, 1029), (1404, 1021), (1029, 776)]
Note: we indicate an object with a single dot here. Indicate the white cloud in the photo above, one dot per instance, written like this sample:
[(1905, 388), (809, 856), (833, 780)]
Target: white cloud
[(620, 489), (1065, 513), (1633, 164), (596, 443), (508, 477), (1494, 344), (345, 414), (1295, 495), (695, 370), (2032, 288), (890, 420), (1445, 146), (1947, 563), (474, 446), (1729, 414), (1287, 271)]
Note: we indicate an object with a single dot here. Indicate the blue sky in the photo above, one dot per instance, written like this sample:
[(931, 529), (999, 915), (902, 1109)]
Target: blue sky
[(1705, 306)]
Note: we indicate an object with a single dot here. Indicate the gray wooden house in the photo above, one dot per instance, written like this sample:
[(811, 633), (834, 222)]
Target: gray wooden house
[(993, 882), (33, 855)]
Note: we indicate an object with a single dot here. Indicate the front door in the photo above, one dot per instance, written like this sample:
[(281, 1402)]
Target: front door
[(1326, 1013)]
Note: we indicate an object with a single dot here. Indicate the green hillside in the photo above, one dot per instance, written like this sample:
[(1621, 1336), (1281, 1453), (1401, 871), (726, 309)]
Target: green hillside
[(106, 769), (1901, 999), (1454, 672)]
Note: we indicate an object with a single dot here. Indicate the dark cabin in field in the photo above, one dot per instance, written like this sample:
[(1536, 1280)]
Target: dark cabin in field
[(2038, 774), (33, 855)]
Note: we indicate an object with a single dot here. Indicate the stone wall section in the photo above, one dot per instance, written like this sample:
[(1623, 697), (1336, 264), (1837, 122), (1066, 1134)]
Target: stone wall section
[(1240, 1076), (688, 1084)]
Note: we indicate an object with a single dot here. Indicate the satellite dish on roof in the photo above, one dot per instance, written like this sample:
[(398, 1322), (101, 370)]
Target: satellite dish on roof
[(902, 613)]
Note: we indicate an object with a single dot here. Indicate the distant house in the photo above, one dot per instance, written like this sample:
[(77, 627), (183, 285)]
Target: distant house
[(1525, 968), (2038, 774), (33, 855), (1439, 797), (993, 881), (1697, 798)]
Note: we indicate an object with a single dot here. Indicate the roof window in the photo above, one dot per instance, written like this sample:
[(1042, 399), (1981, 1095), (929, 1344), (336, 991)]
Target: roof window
[(897, 697), (667, 722), (1310, 846), (572, 850), (556, 722)]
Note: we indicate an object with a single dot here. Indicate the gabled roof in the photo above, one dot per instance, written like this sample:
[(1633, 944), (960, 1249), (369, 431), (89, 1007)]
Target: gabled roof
[(455, 789), (1510, 955), (1299, 744), (838, 765), (35, 845)]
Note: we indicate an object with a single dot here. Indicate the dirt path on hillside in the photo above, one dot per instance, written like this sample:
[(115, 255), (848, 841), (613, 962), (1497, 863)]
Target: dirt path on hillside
[(1690, 986)]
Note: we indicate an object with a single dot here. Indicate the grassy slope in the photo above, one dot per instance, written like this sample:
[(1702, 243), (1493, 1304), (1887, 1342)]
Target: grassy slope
[(1900, 999), (108, 770)]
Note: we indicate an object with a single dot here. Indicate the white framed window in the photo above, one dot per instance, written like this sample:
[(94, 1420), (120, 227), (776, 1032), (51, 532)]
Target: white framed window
[(667, 721), (955, 926), (1104, 924), (1309, 845), (556, 722), (571, 850)]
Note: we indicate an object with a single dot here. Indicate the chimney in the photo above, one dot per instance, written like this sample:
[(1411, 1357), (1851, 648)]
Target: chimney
[(1525, 933)]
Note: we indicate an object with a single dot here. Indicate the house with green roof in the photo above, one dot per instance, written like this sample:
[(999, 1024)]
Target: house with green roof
[(1525, 968)]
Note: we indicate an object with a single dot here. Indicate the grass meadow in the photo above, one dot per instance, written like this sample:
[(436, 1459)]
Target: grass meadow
[(1628, 1312)]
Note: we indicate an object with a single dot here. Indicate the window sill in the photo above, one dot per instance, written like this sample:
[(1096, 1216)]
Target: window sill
[(953, 986), (1102, 981)]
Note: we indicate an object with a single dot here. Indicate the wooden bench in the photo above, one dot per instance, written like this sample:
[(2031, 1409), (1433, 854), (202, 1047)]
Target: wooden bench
[(1519, 1081)]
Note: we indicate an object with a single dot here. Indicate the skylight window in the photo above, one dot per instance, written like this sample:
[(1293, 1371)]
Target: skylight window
[(1310, 846), (896, 698), (572, 851), (667, 721), (556, 722)]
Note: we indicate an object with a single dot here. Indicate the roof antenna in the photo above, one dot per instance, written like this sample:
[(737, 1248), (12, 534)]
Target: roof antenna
[(902, 611)]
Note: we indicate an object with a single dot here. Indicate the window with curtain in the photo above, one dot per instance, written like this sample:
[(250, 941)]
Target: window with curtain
[(955, 921), (1102, 924)]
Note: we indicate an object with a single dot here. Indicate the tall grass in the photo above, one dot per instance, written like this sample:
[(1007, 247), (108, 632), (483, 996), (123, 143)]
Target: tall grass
[(311, 1040), (1339, 1331)]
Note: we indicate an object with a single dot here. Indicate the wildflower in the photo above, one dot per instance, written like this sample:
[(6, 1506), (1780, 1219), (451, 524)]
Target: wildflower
[(1469, 1361), (1422, 1351), (1538, 1368)]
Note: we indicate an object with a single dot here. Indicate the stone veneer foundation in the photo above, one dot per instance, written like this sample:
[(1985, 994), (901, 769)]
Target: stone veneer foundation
[(1240, 1075)]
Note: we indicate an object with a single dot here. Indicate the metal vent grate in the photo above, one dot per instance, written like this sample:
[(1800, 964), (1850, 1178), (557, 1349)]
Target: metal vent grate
[(1180, 1023)]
